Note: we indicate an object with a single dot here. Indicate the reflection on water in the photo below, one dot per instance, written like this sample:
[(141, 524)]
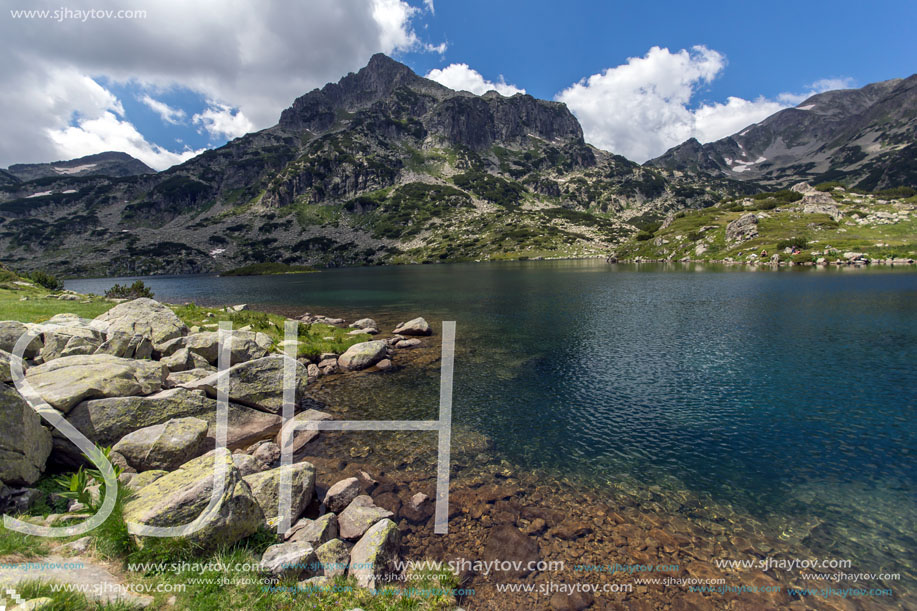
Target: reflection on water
[(781, 400)]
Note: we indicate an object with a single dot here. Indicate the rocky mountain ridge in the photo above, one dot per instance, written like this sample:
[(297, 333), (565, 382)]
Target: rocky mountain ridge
[(112, 164), (864, 137), (382, 167)]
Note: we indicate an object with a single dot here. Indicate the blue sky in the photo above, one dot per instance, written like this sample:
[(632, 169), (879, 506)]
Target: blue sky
[(640, 76)]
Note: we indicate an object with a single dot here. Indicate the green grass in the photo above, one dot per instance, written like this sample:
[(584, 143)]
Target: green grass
[(265, 269), (311, 337), (40, 305), (14, 543), (778, 229), (66, 601)]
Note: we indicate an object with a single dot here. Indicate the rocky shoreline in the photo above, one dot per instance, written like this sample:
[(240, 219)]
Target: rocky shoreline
[(137, 378)]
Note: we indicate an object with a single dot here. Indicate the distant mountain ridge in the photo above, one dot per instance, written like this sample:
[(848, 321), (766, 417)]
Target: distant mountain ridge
[(866, 137), (383, 166), (114, 164)]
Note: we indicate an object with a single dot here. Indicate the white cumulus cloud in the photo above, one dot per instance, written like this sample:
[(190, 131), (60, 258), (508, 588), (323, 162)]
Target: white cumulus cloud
[(461, 77), (165, 112), (221, 121), (643, 107), (254, 57)]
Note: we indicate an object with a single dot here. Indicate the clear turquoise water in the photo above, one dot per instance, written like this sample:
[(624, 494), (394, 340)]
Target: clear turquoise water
[(781, 392)]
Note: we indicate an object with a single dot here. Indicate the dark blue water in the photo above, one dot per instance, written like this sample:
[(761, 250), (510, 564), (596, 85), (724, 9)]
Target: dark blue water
[(765, 390)]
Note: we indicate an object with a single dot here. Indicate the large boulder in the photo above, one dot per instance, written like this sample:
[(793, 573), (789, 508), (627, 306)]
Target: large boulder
[(821, 203), (742, 229), (11, 331), (359, 516), (127, 346), (244, 345), (106, 421), (24, 443), (66, 381), (364, 323), (164, 446), (265, 487), (417, 326), (301, 437), (363, 355), (374, 555), (257, 384), (146, 317), (179, 498), (69, 340)]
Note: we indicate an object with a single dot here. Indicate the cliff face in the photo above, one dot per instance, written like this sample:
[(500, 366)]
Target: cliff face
[(864, 137)]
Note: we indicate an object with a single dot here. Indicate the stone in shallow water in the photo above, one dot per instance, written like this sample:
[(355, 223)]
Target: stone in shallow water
[(505, 542), (341, 494), (417, 326), (363, 355)]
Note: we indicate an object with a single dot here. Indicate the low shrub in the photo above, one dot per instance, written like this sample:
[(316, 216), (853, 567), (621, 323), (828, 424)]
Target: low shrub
[(135, 291), (798, 242), (46, 280)]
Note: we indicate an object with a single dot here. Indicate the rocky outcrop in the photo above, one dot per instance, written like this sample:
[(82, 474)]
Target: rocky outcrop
[(164, 446), (288, 560), (179, 498), (265, 487), (363, 355), (24, 443), (244, 345), (742, 229), (106, 421), (66, 381), (145, 317), (11, 331)]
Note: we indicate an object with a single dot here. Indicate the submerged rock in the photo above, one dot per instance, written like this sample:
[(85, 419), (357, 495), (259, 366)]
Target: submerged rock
[(341, 494)]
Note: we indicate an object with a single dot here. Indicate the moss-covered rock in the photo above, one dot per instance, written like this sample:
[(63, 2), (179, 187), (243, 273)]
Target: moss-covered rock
[(265, 487), (181, 496)]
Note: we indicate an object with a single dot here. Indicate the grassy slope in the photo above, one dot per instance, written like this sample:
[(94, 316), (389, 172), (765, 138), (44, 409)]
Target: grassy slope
[(787, 221)]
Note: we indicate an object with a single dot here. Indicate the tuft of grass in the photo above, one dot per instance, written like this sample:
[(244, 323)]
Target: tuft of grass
[(62, 600), (14, 543)]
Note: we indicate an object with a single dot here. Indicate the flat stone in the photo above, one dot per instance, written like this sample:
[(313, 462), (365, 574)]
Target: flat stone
[(66, 381), (165, 446)]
